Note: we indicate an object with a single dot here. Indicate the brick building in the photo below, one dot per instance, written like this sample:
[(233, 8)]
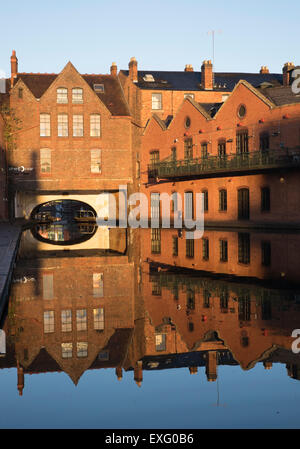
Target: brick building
[(73, 136), (242, 154), (3, 171)]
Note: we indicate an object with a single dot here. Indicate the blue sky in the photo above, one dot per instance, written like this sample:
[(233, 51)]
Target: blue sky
[(162, 35)]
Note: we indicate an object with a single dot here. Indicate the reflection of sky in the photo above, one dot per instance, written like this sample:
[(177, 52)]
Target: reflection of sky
[(167, 399)]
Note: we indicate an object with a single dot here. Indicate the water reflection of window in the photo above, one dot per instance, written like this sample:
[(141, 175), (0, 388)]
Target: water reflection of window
[(48, 286), (266, 308), (191, 326), (66, 350), (66, 320), (224, 300), (82, 349), (175, 291), (244, 248), (155, 241), (190, 299), (103, 356), (265, 199), (205, 249), (98, 318), (48, 321), (98, 285), (156, 287), (223, 250), (244, 308), (266, 253), (56, 233), (206, 299), (160, 342), (190, 248), (175, 245), (81, 320)]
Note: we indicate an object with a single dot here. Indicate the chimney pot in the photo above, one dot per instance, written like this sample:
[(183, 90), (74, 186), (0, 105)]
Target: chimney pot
[(207, 75), (133, 70), (287, 68), (13, 67), (113, 69), (189, 68)]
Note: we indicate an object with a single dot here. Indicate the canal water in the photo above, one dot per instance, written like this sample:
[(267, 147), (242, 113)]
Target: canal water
[(150, 330)]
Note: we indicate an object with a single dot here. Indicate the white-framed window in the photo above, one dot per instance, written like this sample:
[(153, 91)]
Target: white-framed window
[(98, 285), (95, 128), (66, 320), (156, 101), (95, 161), (98, 318), (77, 95), (160, 342), (82, 349), (62, 125), (77, 125), (66, 350), (81, 320), (48, 321), (45, 127), (62, 95), (45, 160)]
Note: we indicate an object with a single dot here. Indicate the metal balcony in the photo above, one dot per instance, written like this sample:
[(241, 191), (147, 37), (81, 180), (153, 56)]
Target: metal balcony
[(234, 164)]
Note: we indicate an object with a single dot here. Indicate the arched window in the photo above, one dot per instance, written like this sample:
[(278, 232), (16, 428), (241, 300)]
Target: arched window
[(223, 200), (62, 95)]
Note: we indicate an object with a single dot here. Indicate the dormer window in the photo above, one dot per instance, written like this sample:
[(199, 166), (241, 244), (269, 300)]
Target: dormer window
[(62, 95), (77, 95), (99, 88), (148, 78)]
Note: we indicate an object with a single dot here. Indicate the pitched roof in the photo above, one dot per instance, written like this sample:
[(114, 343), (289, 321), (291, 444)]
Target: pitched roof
[(191, 81), (281, 95), (113, 96)]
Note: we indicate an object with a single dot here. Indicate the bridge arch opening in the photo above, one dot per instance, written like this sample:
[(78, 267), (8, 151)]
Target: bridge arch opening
[(63, 222)]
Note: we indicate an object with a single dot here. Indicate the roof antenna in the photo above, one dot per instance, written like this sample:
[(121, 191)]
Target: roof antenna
[(213, 32)]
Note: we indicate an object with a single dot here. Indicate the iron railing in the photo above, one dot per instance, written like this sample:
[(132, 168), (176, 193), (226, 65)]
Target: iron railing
[(211, 165)]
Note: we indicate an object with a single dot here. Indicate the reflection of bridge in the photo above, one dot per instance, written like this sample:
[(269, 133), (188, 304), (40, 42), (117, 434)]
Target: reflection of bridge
[(104, 238)]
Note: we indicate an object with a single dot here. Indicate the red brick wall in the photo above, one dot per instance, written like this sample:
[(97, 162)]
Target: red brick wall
[(3, 192), (284, 186), (70, 156)]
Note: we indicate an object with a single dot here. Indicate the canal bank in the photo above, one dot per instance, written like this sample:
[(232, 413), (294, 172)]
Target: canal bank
[(9, 243)]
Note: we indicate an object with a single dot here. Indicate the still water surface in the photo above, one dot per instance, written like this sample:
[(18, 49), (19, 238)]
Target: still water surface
[(150, 331)]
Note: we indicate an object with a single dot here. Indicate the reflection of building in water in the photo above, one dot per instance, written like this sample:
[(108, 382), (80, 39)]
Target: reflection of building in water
[(263, 255), (193, 312), (62, 322), (128, 315)]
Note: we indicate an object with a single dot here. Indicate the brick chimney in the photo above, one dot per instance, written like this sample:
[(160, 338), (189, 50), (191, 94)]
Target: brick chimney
[(264, 70), (119, 372), (133, 70), (188, 68), (138, 373), (207, 75), (20, 373), (286, 71), (211, 366), (13, 67), (113, 69)]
